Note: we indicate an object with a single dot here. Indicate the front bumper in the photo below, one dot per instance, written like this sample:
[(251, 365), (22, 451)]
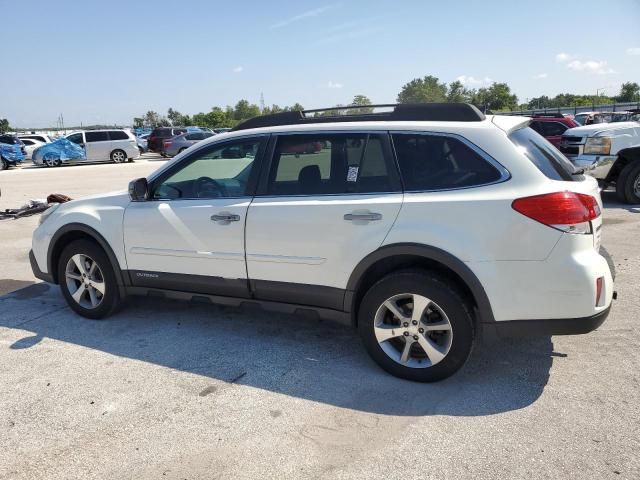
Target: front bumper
[(562, 326), (47, 277), (598, 166)]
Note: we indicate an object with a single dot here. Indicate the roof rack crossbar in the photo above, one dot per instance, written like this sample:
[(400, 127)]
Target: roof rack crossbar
[(450, 112)]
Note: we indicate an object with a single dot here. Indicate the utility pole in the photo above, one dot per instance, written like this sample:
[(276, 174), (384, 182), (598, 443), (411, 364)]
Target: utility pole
[(261, 102), (598, 90)]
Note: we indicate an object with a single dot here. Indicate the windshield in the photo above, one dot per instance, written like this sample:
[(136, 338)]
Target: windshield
[(546, 157)]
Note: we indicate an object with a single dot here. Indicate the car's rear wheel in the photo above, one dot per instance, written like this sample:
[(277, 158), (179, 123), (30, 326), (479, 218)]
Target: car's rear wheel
[(87, 280), (628, 183), (118, 156), (416, 325)]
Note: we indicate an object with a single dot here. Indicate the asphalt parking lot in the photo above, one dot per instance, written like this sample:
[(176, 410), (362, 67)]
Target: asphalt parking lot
[(177, 390)]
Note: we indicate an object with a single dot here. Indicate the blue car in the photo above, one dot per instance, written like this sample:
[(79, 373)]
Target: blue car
[(54, 153), (10, 155)]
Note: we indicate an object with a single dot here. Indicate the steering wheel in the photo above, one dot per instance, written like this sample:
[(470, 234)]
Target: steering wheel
[(206, 187)]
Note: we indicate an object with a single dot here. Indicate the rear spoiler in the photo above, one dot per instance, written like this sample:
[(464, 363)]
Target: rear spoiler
[(510, 123)]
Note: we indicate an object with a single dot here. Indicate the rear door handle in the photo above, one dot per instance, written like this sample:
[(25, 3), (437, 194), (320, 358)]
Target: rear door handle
[(363, 216), (225, 218)]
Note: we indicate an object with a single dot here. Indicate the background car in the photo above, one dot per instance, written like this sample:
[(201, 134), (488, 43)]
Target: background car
[(30, 145), (115, 145), (143, 145), (10, 155), (158, 135), (552, 126), (175, 145), (35, 136), (589, 118), (54, 153), (13, 140)]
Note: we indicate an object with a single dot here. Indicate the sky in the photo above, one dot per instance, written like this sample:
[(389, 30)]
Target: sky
[(106, 62)]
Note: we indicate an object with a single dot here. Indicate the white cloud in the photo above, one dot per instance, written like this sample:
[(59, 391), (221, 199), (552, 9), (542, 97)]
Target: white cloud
[(473, 82), (633, 51), (541, 76), (302, 16), (238, 69), (601, 67), (592, 66), (563, 57), (332, 84)]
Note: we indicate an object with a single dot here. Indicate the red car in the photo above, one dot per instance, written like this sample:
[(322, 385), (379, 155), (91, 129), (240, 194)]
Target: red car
[(304, 147), (552, 125)]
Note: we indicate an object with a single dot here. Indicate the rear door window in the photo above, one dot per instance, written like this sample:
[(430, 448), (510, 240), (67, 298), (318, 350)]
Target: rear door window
[(440, 162), (96, 136), (325, 164), (543, 155)]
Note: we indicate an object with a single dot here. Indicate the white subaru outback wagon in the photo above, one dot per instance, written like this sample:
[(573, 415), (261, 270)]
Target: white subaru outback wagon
[(422, 225)]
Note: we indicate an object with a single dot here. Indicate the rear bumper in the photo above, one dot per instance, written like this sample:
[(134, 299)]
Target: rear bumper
[(47, 277), (562, 326)]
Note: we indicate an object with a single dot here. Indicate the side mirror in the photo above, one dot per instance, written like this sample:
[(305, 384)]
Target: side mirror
[(139, 190)]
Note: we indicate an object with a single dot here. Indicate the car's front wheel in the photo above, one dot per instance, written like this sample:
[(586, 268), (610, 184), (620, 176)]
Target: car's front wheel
[(87, 280), (51, 160), (4, 165), (416, 325), (628, 183)]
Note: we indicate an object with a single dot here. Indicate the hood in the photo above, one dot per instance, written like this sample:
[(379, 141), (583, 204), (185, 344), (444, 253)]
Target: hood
[(112, 199), (598, 128)]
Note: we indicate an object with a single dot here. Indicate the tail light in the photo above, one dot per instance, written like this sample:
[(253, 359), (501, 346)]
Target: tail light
[(567, 211)]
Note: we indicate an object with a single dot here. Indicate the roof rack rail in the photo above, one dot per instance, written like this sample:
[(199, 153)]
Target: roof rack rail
[(444, 112), (549, 115)]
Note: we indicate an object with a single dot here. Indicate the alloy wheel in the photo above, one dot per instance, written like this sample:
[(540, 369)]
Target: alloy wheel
[(413, 330), (85, 281), (118, 156)]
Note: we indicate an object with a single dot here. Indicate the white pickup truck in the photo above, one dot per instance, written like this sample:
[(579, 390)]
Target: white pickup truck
[(610, 152)]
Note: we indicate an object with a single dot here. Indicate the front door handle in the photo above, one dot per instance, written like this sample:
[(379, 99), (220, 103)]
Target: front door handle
[(225, 218), (363, 216)]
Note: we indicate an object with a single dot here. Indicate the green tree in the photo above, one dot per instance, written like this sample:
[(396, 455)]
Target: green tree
[(296, 107), (423, 90), (4, 125), (497, 97), (629, 92), (151, 119), (458, 92), (138, 122), (245, 110), (361, 101)]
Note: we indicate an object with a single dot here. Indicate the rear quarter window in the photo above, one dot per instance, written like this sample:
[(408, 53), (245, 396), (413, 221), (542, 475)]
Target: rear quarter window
[(441, 162), (543, 155)]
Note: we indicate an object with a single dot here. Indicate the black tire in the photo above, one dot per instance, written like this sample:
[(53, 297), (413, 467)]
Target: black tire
[(111, 299), (627, 180), (141, 150), (440, 291), (118, 156), (181, 150), (4, 165), (163, 155)]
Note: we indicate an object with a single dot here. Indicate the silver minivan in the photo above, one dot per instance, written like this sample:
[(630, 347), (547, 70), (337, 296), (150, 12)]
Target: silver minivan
[(104, 145)]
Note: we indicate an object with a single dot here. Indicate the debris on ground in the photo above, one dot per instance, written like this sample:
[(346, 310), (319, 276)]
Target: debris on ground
[(33, 206)]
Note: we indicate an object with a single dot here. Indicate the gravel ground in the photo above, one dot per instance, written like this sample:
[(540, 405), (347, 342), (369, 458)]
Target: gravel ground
[(177, 390)]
